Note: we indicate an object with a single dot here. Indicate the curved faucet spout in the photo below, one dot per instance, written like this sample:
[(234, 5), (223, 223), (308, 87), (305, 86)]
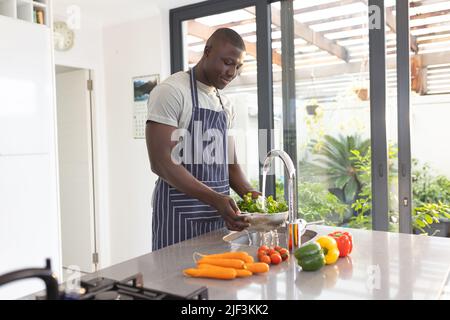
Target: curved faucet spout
[(292, 181)]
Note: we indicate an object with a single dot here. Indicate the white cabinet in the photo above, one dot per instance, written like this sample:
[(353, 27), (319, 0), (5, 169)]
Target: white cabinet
[(29, 220), (29, 213), (26, 82)]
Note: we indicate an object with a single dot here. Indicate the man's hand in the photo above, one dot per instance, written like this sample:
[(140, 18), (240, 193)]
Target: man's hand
[(229, 211)]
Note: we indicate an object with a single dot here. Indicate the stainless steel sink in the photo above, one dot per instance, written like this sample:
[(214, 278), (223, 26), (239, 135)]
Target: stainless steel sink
[(269, 238)]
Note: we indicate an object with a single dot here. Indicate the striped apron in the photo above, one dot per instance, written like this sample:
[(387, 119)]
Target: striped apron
[(176, 216)]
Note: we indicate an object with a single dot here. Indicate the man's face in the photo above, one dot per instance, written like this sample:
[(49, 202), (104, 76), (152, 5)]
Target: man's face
[(222, 63)]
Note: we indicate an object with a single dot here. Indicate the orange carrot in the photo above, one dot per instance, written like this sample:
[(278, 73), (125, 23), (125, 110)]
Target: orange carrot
[(249, 259), (213, 273), (240, 273), (241, 255), (227, 263), (258, 267)]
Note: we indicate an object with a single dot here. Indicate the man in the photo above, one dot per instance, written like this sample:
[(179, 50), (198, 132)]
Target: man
[(192, 198)]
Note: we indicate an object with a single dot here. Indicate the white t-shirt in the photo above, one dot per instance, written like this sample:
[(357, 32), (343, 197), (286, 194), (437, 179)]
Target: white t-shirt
[(170, 102)]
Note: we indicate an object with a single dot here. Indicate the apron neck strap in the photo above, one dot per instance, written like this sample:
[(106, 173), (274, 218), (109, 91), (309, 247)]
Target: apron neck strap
[(194, 93)]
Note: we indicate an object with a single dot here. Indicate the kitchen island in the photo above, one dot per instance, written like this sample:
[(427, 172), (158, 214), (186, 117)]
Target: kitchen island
[(383, 265)]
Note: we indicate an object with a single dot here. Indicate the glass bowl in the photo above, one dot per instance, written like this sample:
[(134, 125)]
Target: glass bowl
[(264, 222)]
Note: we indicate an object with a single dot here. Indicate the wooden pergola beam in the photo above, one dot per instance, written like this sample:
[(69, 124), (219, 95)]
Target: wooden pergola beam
[(435, 40), (431, 25), (416, 4), (430, 14), (235, 23), (306, 33), (391, 22), (202, 31), (334, 19), (326, 72), (324, 6)]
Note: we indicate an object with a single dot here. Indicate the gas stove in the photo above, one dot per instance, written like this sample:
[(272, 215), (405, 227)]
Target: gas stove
[(98, 288), (130, 289)]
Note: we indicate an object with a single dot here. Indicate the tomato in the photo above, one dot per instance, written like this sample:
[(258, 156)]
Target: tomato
[(278, 248), (262, 253), (275, 258), (284, 254), (272, 251), (265, 259), (263, 250)]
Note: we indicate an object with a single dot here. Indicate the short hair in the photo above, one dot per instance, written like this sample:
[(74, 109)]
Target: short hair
[(226, 35)]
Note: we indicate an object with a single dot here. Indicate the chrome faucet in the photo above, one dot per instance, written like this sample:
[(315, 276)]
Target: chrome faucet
[(294, 226), (289, 165)]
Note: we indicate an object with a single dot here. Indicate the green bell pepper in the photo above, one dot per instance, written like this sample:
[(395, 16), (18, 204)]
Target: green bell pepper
[(310, 256)]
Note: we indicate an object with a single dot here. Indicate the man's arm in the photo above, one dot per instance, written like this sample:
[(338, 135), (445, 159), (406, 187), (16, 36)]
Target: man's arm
[(159, 146), (238, 181)]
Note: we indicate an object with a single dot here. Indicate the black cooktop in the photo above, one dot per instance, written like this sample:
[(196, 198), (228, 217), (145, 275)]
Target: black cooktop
[(130, 289)]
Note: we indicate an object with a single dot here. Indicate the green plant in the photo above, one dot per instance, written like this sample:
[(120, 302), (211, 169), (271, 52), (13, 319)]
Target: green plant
[(317, 203), (429, 213), (336, 161), (428, 188), (363, 204), (431, 196)]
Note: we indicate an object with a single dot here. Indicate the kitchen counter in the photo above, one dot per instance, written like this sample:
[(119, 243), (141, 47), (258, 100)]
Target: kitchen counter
[(382, 265)]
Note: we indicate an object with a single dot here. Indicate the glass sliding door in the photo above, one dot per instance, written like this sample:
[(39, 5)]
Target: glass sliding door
[(331, 66), (430, 114)]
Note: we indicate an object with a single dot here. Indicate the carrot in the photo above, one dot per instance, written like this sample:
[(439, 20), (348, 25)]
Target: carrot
[(258, 267), (240, 273), (249, 259), (213, 273), (241, 255), (227, 263)]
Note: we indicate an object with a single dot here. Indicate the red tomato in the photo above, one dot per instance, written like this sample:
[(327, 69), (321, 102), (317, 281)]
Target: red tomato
[(272, 251), (265, 259), (284, 254), (265, 248), (275, 258), (278, 248)]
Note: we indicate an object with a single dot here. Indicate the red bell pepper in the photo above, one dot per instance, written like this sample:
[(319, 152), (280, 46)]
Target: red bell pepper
[(344, 241)]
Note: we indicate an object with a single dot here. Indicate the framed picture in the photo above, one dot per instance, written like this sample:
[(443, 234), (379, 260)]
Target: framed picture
[(142, 87)]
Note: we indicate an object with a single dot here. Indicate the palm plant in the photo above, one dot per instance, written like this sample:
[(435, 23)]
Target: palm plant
[(334, 159)]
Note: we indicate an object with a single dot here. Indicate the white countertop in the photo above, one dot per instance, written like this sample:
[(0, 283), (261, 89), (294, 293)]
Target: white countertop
[(383, 265)]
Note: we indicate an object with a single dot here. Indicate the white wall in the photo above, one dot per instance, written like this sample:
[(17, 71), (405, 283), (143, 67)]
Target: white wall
[(430, 132), (131, 49)]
